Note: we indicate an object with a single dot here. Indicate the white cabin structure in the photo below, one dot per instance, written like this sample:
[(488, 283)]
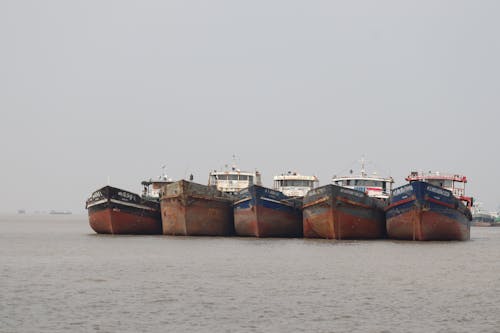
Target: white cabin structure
[(233, 180), (374, 186), (152, 188), (452, 182), (294, 184)]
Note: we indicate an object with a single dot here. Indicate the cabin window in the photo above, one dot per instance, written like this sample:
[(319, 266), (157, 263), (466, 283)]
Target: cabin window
[(348, 182), (300, 183), (250, 180), (243, 177), (233, 177), (435, 182), (373, 183)]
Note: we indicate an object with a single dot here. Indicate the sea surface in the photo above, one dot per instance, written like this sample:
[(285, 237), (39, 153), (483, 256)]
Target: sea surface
[(57, 275)]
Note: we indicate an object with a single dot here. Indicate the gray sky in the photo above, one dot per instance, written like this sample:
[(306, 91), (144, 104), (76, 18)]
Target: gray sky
[(91, 89)]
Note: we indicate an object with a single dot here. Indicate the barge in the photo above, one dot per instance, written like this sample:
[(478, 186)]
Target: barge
[(433, 206)]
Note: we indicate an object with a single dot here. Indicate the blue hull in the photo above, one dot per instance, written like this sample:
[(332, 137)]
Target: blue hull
[(263, 212), (421, 211)]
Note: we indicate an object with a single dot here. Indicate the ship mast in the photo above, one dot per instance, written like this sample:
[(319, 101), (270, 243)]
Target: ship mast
[(363, 171), (163, 174)]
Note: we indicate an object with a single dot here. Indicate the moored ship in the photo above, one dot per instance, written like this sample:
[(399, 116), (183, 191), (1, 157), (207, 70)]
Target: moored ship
[(352, 207), (336, 212), (433, 206), (116, 211), (264, 212), (480, 217), (192, 209)]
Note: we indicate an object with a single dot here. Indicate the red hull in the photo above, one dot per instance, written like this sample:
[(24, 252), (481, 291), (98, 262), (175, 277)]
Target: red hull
[(201, 217), (265, 222), (428, 225), (114, 221), (336, 224)]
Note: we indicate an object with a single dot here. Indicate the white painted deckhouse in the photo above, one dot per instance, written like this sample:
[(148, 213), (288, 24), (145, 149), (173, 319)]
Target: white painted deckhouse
[(373, 185), (233, 179), (294, 184)]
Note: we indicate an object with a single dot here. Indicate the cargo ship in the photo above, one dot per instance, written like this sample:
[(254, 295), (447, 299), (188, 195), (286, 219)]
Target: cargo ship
[(433, 206), (264, 212), (352, 207), (116, 211), (192, 209), (481, 218)]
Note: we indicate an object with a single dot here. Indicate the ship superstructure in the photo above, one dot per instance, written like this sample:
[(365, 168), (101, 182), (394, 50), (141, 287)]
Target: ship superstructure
[(432, 206), (293, 184), (152, 188), (373, 185), (451, 182), (233, 179)]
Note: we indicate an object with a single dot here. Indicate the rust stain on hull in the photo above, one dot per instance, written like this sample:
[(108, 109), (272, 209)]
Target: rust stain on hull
[(335, 213), (114, 221), (192, 209), (428, 225), (265, 222)]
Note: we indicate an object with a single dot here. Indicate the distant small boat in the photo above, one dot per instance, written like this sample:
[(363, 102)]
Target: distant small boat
[(192, 209), (433, 206), (60, 212), (481, 218), (21, 211)]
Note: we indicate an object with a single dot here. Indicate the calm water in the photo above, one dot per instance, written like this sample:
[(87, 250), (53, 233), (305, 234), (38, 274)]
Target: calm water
[(56, 275)]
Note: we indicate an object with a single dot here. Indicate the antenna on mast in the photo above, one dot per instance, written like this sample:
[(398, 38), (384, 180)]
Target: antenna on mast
[(163, 175), (363, 172), (233, 166)]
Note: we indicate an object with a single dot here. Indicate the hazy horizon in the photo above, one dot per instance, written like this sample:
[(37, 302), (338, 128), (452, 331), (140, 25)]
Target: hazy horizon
[(93, 89)]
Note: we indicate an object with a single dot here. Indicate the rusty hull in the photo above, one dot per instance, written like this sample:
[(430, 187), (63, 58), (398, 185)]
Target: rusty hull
[(115, 221), (417, 224), (192, 209), (335, 212), (422, 211), (116, 211), (263, 212)]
